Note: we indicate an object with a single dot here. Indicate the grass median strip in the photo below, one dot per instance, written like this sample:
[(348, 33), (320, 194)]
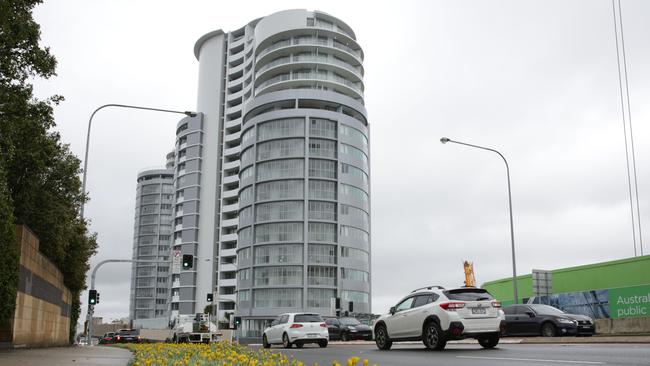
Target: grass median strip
[(217, 354)]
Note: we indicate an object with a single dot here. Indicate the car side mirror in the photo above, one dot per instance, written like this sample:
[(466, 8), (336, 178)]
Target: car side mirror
[(392, 310), (530, 314)]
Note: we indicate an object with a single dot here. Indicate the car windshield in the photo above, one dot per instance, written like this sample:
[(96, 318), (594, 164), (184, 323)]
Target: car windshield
[(349, 321), (307, 318), (468, 294), (546, 310)]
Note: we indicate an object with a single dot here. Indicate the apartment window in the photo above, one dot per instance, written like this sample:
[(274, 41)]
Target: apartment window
[(322, 168), (320, 297), (244, 274), (246, 194), (322, 253), (278, 254), (321, 276), (246, 214), (319, 231), (290, 231), (281, 128), (356, 214), (278, 276), (244, 295), (354, 153), (247, 136), (355, 296), (322, 148), (355, 193), (319, 210), (319, 189), (150, 188), (287, 210), (354, 275), (355, 172), (280, 190), (248, 156), (244, 235), (353, 253), (280, 149), (244, 253), (280, 169), (161, 301), (246, 173), (277, 298)]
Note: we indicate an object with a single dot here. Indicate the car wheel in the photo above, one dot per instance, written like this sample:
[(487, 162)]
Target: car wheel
[(381, 338), (345, 337), (322, 344), (489, 340), (265, 342), (548, 330), (285, 341), (432, 337), (299, 344)]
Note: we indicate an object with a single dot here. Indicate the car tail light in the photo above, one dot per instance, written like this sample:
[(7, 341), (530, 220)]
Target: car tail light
[(496, 303), (323, 325), (118, 338), (296, 326), (452, 306)]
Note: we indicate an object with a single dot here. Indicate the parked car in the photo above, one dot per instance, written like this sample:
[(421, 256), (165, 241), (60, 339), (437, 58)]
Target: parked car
[(545, 320), (296, 328), (348, 328), (107, 338), (435, 315), (127, 336)]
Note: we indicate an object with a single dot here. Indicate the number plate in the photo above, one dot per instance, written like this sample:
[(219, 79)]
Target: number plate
[(478, 311), (312, 335)]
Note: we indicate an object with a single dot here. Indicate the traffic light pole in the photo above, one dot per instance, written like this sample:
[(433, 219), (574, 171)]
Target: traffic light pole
[(91, 310)]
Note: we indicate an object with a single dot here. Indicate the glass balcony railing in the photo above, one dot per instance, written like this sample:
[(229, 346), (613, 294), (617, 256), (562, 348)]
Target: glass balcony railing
[(320, 58), (310, 76), (310, 41)]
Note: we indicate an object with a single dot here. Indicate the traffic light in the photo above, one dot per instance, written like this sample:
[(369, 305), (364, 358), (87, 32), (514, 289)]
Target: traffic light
[(237, 321), (188, 261), (209, 297), (338, 313), (92, 297), (350, 306), (97, 298), (338, 303)]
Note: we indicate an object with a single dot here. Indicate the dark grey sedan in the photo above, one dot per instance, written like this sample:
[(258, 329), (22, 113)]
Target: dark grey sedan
[(545, 320), (346, 329)]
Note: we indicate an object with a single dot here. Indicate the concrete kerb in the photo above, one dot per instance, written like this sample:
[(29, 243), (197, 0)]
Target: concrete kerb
[(645, 339)]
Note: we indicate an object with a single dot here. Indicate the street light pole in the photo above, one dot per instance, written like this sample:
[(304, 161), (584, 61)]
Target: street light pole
[(445, 140), (90, 121)]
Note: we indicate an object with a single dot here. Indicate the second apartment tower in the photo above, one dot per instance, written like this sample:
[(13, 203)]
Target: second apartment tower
[(272, 187)]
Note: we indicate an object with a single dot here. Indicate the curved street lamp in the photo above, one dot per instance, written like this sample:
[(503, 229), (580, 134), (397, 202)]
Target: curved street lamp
[(90, 121), (445, 140)]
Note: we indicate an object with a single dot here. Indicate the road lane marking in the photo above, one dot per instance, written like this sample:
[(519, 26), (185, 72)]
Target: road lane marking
[(533, 360)]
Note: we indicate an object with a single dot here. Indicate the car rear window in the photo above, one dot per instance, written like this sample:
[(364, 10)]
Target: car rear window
[(307, 318), (128, 332), (468, 294)]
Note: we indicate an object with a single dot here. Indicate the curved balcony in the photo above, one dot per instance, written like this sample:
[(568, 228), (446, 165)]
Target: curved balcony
[(322, 61), (287, 81), (306, 43)]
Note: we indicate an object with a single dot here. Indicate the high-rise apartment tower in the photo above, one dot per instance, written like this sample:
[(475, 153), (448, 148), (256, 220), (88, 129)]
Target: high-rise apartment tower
[(272, 177)]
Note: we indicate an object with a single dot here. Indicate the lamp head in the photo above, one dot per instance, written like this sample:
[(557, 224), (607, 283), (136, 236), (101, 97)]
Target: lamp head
[(444, 140)]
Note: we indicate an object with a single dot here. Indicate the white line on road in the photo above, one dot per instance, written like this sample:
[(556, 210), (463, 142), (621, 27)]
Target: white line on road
[(533, 360)]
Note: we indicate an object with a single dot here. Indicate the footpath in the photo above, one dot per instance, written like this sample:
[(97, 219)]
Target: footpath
[(66, 356)]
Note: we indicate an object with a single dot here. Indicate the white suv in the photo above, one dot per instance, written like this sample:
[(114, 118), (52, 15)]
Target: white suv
[(435, 315), (296, 328)]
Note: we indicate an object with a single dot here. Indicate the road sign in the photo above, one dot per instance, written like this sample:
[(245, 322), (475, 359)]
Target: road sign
[(176, 261), (542, 282)]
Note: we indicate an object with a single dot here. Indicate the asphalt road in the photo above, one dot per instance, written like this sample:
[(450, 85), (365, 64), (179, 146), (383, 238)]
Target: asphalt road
[(473, 354)]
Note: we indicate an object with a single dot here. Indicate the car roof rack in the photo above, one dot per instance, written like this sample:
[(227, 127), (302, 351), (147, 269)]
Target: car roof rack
[(428, 288)]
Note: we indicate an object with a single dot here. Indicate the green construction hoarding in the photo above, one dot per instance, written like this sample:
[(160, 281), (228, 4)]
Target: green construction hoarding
[(629, 302)]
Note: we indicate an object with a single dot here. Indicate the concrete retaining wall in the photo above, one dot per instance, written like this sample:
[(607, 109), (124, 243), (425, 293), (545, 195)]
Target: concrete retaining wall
[(623, 325)]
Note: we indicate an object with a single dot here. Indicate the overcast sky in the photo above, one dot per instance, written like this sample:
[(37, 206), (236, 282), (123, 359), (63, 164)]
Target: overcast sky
[(536, 80)]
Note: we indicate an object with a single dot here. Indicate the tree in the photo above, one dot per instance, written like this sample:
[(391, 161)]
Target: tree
[(39, 176)]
